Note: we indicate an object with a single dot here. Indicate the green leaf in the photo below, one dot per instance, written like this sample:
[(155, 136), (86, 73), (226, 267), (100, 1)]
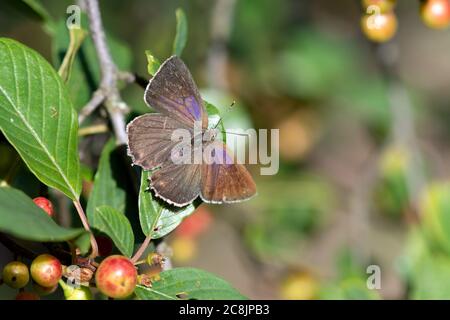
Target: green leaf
[(105, 190), (83, 242), (85, 75), (181, 36), (349, 289), (77, 36), (20, 217), (37, 117), (156, 217), (34, 10), (188, 283), (117, 227), (153, 63)]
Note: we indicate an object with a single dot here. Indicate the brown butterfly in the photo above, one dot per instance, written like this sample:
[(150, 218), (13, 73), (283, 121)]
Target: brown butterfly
[(173, 93)]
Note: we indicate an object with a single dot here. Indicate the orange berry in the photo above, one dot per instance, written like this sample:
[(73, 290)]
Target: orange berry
[(379, 27)]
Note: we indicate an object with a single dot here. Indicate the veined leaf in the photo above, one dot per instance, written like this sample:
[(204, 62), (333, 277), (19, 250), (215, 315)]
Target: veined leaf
[(105, 190), (37, 117), (156, 217), (188, 283), (181, 36), (20, 217), (117, 227)]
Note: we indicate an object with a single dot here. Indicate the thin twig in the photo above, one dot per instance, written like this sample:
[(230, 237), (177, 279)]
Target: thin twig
[(141, 249), (86, 226), (108, 92), (96, 99), (221, 24), (403, 132)]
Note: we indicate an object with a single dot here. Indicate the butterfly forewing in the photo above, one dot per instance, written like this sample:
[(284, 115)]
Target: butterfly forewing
[(149, 139), (173, 92)]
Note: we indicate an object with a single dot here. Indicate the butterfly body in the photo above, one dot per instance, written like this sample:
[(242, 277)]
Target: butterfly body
[(214, 176)]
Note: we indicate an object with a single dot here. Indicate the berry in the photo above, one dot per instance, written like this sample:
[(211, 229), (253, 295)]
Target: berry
[(379, 27), (436, 13), (105, 245), (184, 249), (46, 270), (195, 224), (27, 296), (45, 205), (299, 286), (16, 275), (72, 293), (383, 5), (116, 277)]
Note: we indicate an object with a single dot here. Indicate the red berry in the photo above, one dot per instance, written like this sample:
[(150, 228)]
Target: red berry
[(105, 245), (195, 224), (436, 13), (116, 277), (45, 205), (27, 296), (16, 275), (46, 270)]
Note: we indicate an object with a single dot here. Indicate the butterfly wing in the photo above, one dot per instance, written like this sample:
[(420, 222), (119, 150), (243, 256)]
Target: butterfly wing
[(223, 180), (149, 139), (177, 184), (173, 92)]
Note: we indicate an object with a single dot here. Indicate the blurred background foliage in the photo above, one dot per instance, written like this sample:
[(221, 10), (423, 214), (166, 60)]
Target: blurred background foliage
[(364, 138)]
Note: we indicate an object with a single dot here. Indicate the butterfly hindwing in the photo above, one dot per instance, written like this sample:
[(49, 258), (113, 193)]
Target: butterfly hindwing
[(224, 180), (177, 184)]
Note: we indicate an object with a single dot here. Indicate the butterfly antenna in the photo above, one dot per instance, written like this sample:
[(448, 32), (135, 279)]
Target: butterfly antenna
[(218, 122), (229, 109), (235, 133)]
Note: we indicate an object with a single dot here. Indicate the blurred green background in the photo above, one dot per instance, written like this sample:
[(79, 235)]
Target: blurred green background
[(364, 138)]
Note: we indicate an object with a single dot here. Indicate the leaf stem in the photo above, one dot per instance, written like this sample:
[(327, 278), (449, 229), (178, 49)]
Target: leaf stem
[(141, 249), (86, 226), (95, 129)]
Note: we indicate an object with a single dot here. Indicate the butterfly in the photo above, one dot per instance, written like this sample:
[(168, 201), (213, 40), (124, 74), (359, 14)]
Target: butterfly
[(173, 93)]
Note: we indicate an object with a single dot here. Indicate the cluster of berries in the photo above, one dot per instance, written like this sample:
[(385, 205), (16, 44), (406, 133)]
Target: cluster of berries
[(115, 277), (379, 22)]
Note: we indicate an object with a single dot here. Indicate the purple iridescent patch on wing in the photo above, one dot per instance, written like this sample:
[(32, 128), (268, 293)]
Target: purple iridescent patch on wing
[(217, 153), (193, 107), (172, 91)]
